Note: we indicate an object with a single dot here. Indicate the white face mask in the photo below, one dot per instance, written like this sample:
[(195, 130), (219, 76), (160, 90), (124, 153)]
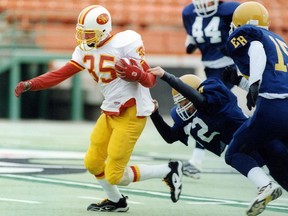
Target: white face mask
[(183, 111), (206, 8)]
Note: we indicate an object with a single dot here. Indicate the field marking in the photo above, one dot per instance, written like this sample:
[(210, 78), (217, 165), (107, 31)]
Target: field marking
[(17, 200), (191, 199)]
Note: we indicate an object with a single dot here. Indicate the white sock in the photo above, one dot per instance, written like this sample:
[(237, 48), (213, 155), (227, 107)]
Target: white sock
[(153, 171), (111, 191), (197, 157), (258, 177)]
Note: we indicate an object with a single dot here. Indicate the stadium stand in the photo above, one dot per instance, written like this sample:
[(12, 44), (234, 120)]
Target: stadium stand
[(51, 23), (44, 31)]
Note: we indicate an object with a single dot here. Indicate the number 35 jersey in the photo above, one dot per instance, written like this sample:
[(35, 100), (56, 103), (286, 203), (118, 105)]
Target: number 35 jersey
[(100, 63)]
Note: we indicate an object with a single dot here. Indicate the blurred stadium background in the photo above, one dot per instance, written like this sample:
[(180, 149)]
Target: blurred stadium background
[(37, 36)]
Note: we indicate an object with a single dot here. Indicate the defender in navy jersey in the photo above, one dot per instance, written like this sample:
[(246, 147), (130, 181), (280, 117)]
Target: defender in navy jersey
[(211, 119), (261, 57), (207, 24)]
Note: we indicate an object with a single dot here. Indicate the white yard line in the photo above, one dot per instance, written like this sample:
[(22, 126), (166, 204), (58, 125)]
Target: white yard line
[(17, 200)]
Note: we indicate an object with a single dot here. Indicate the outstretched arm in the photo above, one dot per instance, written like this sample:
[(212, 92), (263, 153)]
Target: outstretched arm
[(187, 91), (48, 79)]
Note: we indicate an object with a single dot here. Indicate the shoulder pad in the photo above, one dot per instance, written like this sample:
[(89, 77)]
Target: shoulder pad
[(249, 32), (188, 10), (124, 38), (227, 8)]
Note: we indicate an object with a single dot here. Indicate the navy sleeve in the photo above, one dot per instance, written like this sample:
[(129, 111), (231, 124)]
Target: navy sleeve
[(169, 134), (187, 91)]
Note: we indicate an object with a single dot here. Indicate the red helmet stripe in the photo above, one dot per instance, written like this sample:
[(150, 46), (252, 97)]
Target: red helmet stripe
[(84, 13)]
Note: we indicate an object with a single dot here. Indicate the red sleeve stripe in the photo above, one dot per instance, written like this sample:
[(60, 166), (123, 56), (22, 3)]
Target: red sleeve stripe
[(76, 65)]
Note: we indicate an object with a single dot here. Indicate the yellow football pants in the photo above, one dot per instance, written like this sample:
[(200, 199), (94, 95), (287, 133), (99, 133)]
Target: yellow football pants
[(111, 144)]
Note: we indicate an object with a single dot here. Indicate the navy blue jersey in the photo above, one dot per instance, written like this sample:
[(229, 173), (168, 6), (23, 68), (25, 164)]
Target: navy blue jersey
[(275, 76), (219, 121), (215, 127), (209, 33)]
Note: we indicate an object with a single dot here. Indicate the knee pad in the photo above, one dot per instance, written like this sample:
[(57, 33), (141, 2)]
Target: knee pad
[(93, 166)]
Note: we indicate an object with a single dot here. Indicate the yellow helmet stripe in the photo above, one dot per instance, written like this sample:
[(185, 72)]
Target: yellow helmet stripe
[(84, 13)]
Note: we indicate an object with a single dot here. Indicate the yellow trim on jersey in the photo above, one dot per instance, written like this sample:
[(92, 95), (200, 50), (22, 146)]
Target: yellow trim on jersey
[(76, 65)]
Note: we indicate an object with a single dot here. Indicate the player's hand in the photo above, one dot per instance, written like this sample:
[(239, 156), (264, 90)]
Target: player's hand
[(157, 71), (156, 105), (252, 95), (21, 87), (190, 48), (230, 75), (129, 70)]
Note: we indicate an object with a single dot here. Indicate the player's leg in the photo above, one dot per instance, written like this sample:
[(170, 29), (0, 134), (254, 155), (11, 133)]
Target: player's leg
[(275, 155), (251, 136), (95, 163), (126, 130), (193, 166), (170, 172)]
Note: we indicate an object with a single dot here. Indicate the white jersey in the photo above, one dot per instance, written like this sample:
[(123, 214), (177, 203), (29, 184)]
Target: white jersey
[(100, 64)]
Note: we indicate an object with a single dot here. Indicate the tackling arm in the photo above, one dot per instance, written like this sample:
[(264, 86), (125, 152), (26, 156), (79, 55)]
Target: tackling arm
[(187, 91)]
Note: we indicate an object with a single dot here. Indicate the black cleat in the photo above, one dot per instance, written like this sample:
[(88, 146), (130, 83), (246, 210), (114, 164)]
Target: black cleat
[(174, 179), (109, 206)]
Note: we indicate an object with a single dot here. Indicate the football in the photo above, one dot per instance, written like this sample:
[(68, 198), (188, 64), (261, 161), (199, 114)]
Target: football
[(126, 70)]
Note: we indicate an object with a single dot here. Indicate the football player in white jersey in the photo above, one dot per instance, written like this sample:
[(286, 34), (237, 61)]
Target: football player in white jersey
[(125, 107)]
